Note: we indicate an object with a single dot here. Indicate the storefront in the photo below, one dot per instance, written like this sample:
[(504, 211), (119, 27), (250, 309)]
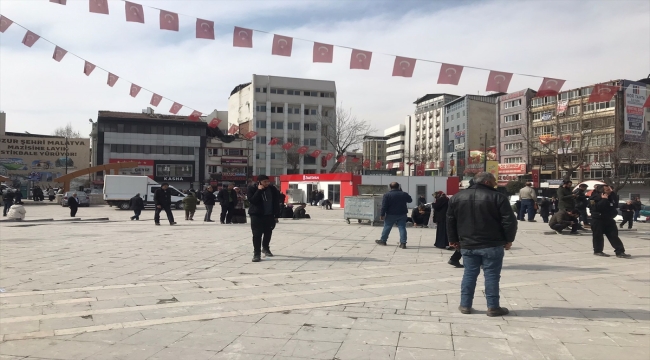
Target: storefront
[(510, 172), (335, 186)]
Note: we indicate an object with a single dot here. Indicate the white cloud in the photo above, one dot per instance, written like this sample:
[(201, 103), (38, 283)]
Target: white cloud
[(584, 42)]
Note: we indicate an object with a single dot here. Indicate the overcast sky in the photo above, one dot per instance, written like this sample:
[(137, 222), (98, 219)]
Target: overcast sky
[(582, 41)]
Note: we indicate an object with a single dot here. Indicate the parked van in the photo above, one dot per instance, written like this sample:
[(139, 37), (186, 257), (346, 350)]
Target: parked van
[(119, 189)]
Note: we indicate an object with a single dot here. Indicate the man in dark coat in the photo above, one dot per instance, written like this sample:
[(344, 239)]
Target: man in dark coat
[(637, 208), (209, 199), (566, 199), (8, 199), (394, 211), (564, 219), (73, 203), (440, 217), (137, 205), (481, 222), (228, 199), (264, 207), (581, 202), (627, 210), (545, 208), (603, 212), (163, 200)]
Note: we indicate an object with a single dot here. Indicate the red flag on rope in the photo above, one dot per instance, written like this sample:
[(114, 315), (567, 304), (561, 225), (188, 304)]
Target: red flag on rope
[(134, 12), (30, 38), (58, 54), (316, 153), (303, 149), (360, 59), (403, 66), (250, 135), (341, 159), (274, 141), (242, 37), (366, 163), (98, 6), (323, 53), (498, 81), (195, 115), (233, 129), (214, 123), (4, 23), (155, 99), (602, 93), (135, 90), (88, 68), (378, 165), (112, 79), (355, 160), (282, 45), (204, 29), (288, 145), (168, 20), (450, 74), (176, 107), (329, 157), (647, 101), (550, 87)]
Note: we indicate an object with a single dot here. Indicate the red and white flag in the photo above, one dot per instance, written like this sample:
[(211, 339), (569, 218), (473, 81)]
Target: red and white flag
[(432, 165), (602, 93), (303, 149), (550, 87), (242, 37), (195, 115), (360, 59), (135, 89), (419, 170), (250, 135), (168, 20), (378, 165), (329, 156), (4, 23), (316, 153), (134, 12), (282, 45), (98, 6), (403, 66), (366, 163), (112, 79), (214, 123), (204, 29), (450, 74), (58, 54), (62, 2), (287, 145), (355, 159), (401, 166), (176, 107), (341, 159), (323, 53), (233, 129), (155, 99), (88, 68), (274, 141), (441, 164), (30, 38), (498, 81), (646, 104)]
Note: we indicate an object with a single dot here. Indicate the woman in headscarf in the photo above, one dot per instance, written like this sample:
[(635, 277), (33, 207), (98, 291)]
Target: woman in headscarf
[(239, 214), (440, 217)]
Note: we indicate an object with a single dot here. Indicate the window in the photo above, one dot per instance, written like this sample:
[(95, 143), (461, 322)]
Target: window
[(279, 125), (463, 112), (309, 160), (570, 127), (311, 111), (186, 170), (293, 92), (602, 140), (538, 102), (512, 132), (513, 103), (260, 108), (598, 106), (574, 94), (564, 96), (277, 109), (574, 110), (544, 130), (513, 146), (550, 100), (276, 156), (309, 142), (511, 118), (311, 126), (151, 149), (513, 160), (306, 93), (260, 139), (277, 91), (277, 171), (260, 124), (457, 127), (587, 91), (458, 115), (327, 94), (293, 126), (262, 90)]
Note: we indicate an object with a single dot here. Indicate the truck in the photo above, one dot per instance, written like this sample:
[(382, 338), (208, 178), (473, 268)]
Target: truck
[(119, 189)]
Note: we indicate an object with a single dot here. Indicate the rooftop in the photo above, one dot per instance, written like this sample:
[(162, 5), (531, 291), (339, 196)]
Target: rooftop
[(431, 96), (104, 114)]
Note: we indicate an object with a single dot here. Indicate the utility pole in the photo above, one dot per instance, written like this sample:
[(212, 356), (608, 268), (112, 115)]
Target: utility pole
[(485, 153), (66, 155)]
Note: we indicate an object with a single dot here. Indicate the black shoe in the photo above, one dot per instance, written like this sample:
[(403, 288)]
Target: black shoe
[(267, 252), (257, 258), (456, 264), (465, 310), (574, 233), (602, 254), (209, 220), (500, 311), (223, 223), (532, 220), (171, 224), (157, 224), (623, 255), (402, 246), (380, 242), (132, 218)]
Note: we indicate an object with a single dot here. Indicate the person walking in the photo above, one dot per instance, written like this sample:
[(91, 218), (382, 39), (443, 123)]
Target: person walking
[(528, 198), (603, 212), (394, 211), (51, 194), (627, 210), (564, 219), (73, 203), (163, 200), (137, 205), (8, 199), (228, 199), (582, 202), (239, 213), (566, 199), (481, 223), (637, 208), (18, 196), (264, 207), (189, 205), (545, 209), (440, 206), (209, 199)]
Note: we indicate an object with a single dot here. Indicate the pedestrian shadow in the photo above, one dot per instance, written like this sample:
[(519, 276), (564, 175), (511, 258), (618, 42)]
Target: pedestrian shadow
[(544, 267), (325, 258), (589, 313)]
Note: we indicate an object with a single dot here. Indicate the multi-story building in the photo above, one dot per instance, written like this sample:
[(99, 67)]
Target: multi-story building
[(396, 142), (374, 149), (426, 126), (300, 111), (469, 129), (227, 162)]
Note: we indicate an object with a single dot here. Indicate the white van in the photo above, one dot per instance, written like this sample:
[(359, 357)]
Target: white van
[(119, 189)]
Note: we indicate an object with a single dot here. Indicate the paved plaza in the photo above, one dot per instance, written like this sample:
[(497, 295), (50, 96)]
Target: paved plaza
[(123, 289)]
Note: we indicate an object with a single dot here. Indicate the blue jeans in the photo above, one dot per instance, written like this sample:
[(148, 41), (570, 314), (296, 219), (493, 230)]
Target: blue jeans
[(389, 221), (637, 214), (492, 261), (527, 206)]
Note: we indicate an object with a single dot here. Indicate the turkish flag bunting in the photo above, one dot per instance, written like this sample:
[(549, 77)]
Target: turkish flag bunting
[(432, 165), (441, 164), (366, 163), (498, 81), (303, 149), (30, 38), (360, 59), (401, 166), (195, 115), (316, 153), (98, 6), (378, 165), (168, 20), (88, 68), (274, 141), (251, 134), (214, 123), (355, 159), (282, 45), (420, 170), (176, 107), (204, 29), (403, 66), (329, 156), (341, 159), (112, 79), (287, 145), (155, 99), (550, 87), (62, 2), (135, 89), (233, 129), (323, 53), (242, 37), (647, 101), (58, 54), (4, 23), (450, 74), (134, 12), (602, 93)]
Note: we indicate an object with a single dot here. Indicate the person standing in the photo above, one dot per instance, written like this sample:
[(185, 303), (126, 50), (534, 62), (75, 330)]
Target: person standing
[(440, 206), (637, 208), (51, 194), (564, 219), (137, 205), (73, 203), (481, 222), (264, 206), (227, 198), (18, 196), (8, 198), (394, 211), (581, 203), (554, 205), (566, 199), (545, 209), (163, 200), (603, 213), (528, 199), (189, 205), (627, 210), (209, 199)]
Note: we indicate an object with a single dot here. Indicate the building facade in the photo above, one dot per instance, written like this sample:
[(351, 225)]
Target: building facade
[(374, 150), (427, 126), (300, 111), (396, 145)]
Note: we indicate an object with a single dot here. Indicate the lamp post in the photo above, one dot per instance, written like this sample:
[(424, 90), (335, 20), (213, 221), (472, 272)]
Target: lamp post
[(66, 155)]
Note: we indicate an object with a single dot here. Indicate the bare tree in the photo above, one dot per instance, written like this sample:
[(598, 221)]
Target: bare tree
[(623, 161), (66, 131), (291, 156), (343, 130)]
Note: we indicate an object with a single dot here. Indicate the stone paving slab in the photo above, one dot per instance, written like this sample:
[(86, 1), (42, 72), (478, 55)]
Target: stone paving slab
[(126, 289)]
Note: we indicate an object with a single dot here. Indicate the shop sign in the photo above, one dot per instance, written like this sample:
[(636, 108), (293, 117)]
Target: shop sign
[(549, 167), (516, 168), (234, 161)]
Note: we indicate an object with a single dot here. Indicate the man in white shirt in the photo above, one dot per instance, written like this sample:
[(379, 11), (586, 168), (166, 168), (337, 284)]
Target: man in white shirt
[(528, 199)]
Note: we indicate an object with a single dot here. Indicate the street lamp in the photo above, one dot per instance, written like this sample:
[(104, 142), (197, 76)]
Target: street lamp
[(66, 155)]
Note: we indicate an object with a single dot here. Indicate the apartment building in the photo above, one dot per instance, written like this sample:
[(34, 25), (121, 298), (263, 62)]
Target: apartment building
[(427, 124), (374, 149), (291, 110), (396, 145)]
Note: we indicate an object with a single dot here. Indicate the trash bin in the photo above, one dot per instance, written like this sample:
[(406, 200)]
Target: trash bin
[(367, 205)]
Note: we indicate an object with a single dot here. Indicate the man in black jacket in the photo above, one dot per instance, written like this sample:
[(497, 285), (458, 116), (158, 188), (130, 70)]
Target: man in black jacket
[(564, 219), (264, 200), (480, 221), (73, 203), (603, 212), (163, 200), (228, 199), (137, 205), (394, 211), (582, 201), (8, 199), (209, 199), (627, 211)]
